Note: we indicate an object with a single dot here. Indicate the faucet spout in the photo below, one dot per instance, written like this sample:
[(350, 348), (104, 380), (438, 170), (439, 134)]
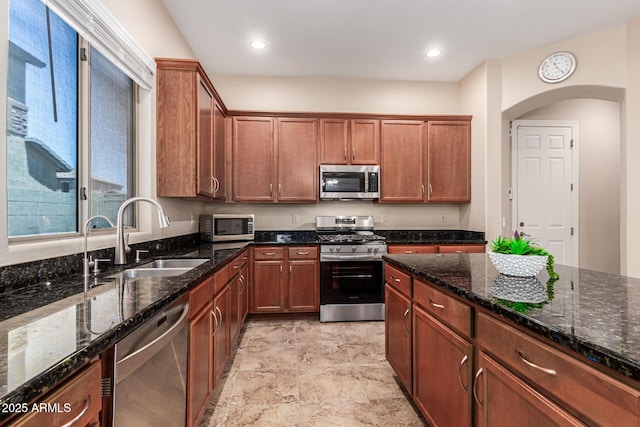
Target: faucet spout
[(121, 248)]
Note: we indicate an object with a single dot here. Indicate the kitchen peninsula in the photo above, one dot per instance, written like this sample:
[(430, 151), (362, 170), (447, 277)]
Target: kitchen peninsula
[(571, 357)]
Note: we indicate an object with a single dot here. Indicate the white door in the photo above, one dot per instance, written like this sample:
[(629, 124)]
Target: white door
[(546, 187)]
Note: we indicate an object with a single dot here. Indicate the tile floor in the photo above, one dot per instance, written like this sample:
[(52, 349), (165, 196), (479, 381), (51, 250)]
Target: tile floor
[(307, 373)]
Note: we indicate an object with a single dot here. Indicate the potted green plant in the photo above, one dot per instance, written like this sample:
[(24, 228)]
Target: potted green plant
[(518, 256)]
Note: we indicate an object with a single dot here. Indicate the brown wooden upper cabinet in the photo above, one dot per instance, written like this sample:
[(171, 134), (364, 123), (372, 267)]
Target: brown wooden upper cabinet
[(275, 159), (190, 157), (425, 161), (449, 161), (350, 142)]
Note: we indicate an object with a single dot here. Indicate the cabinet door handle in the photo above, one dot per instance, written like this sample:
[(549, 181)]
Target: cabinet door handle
[(345, 153), (290, 269), (422, 187), (215, 320), (475, 384), (462, 362), (279, 190), (244, 284), (404, 316), (81, 414), (440, 306), (533, 365), (353, 153), (219, 312), (271, 189)]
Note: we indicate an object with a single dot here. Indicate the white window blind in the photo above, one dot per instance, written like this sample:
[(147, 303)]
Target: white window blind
[(96, 24)]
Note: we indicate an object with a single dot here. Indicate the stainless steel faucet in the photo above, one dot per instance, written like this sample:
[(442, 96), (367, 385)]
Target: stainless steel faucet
[(87, 263), (121, 246)]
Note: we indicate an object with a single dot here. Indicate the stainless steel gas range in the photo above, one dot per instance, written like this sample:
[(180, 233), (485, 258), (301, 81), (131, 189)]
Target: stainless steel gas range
[(351, 269)]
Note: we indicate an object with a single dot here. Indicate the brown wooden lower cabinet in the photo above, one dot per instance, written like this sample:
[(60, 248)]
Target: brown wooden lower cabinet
[(220, 333), (285, 279), (519, 379), (434, 249), (398, 334), (442, 372), (78, 399), (502, 399)]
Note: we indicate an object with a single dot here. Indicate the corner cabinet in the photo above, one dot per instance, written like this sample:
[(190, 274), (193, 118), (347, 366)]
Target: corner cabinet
[(425, 161), (275, 159), (190, 158)]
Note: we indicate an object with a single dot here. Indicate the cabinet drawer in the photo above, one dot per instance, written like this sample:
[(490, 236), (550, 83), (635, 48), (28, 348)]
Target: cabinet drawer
[(412, 249), (398, 280), (461, 249), (200, 296), (573, 383), (222, 277), (447, 309), (238, 262), (78, 399), (268, 252), (306, 252)]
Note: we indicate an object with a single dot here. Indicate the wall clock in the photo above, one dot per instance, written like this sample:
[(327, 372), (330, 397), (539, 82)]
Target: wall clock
[(557, 67)]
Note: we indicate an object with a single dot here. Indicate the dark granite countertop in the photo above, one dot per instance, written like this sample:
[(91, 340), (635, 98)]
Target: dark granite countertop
[(48, 331), (49, 328), (596, 315)]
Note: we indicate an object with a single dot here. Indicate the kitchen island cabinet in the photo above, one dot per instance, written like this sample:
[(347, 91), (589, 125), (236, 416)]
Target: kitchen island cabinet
[(537, 366), (398, 324)]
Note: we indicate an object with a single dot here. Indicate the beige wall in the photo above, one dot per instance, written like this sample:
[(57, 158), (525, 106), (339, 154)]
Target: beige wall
[(336, 95)]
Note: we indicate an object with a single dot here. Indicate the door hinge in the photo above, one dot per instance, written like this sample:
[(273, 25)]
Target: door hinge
[(572, 186), (83, 54), (572, 231), (571, 144)]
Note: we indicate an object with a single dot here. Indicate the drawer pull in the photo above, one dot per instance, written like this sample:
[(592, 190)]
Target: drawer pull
[(395, 279), (237, 266), (409, 252), (462, 362), (81, 414), (440, 306), (475, 384), (533, 365), (268, 253), (303, 253), (404, 325)]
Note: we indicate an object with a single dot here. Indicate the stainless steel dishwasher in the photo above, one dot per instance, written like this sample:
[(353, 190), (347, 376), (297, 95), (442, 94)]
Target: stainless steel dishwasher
[(151, 371)]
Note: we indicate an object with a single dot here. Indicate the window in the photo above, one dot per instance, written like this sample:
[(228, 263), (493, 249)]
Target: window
[(49, 159)]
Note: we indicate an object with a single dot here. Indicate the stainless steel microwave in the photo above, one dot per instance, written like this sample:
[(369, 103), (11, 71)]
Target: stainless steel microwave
[(349, 182), (226, 227)]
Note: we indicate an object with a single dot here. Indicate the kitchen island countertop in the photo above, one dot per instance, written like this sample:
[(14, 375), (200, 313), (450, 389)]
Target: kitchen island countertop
[(594, 314)]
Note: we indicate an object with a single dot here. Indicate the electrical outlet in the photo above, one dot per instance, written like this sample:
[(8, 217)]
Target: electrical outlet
[(294, 218), (385, 219)]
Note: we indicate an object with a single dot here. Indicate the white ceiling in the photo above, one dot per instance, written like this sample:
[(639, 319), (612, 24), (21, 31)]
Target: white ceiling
[(381, 39)]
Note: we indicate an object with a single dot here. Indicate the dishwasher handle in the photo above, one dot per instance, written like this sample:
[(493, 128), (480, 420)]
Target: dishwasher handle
[(138, 358)]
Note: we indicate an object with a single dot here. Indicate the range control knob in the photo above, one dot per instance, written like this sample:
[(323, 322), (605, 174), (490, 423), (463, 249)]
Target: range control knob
[(338, 248), (370, 250), (354, 248)]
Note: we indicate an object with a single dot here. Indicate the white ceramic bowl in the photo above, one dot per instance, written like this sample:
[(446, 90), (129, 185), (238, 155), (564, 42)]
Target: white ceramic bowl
[(518, 265)]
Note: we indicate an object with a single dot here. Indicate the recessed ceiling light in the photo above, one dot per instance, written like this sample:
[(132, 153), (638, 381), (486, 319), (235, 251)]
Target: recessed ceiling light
[(432, 53), (258, 44)]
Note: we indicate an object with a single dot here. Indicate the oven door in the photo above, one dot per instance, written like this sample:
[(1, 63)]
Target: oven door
[(351, 282)]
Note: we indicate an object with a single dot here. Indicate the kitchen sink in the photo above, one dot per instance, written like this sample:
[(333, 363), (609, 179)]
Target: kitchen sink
[(162, 268), (187, 263)]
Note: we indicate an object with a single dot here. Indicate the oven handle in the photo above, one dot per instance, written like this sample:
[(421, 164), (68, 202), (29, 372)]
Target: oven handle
[(350, 258)]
